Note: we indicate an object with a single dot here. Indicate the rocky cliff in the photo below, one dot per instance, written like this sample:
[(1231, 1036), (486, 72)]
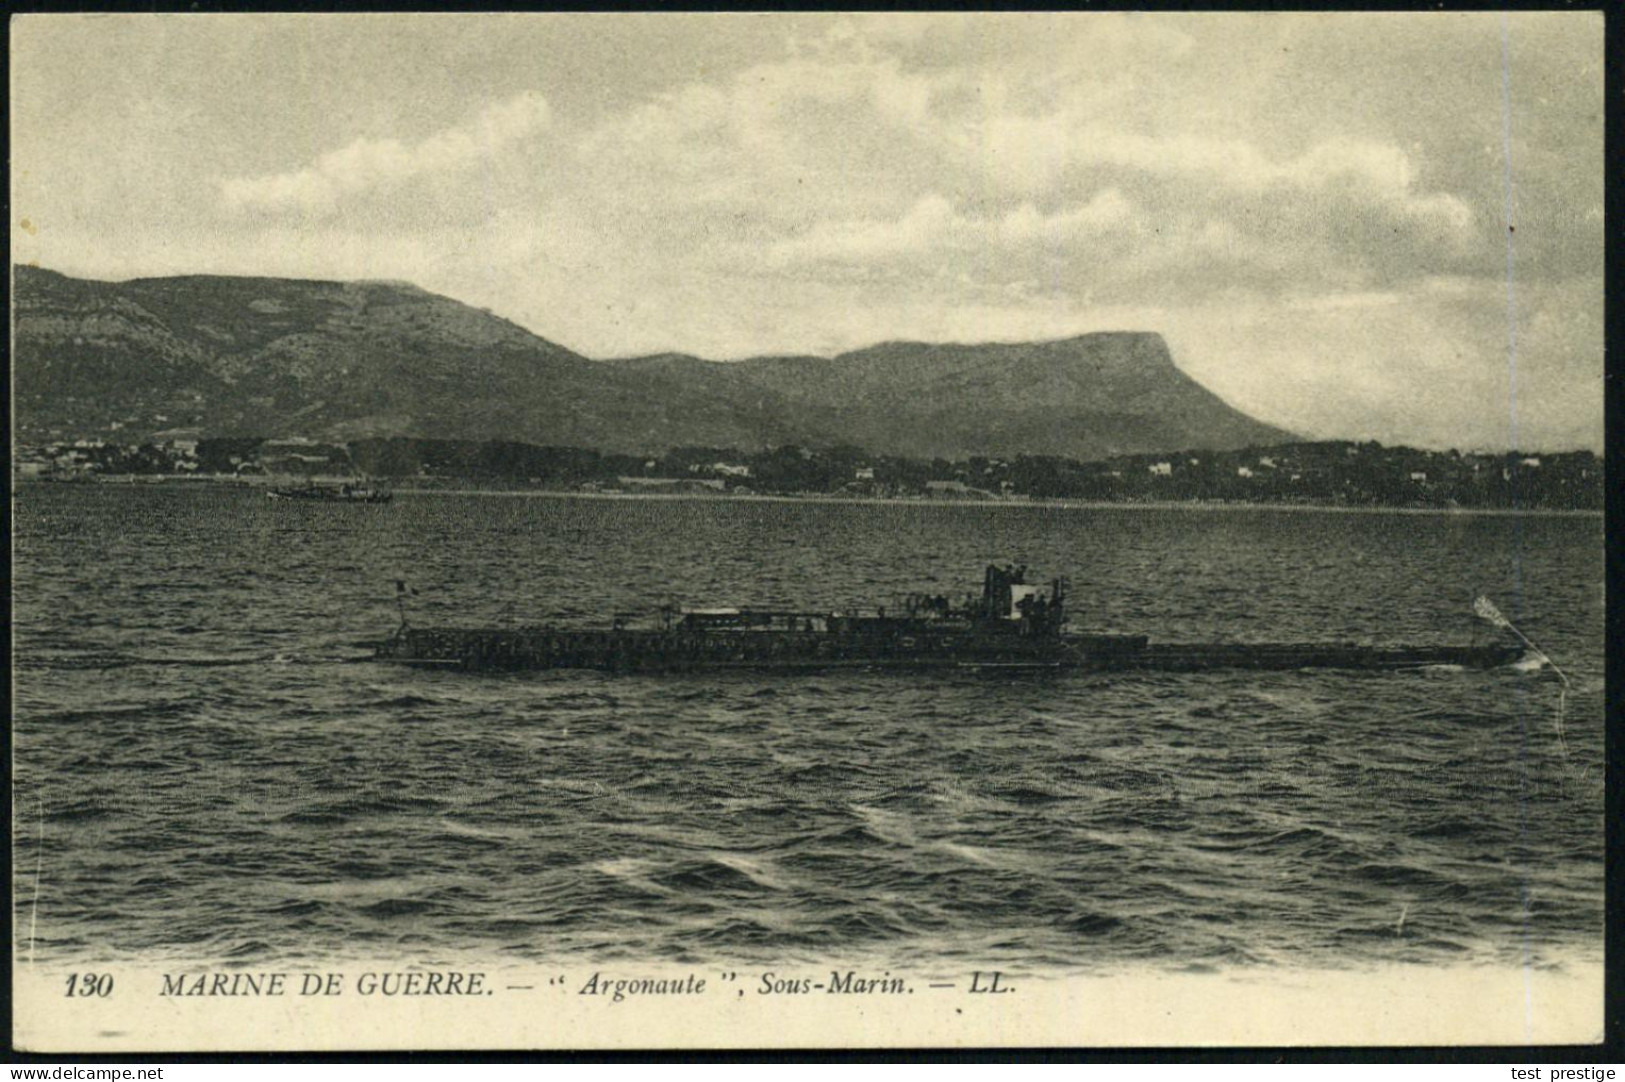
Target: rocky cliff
[(345, 360)]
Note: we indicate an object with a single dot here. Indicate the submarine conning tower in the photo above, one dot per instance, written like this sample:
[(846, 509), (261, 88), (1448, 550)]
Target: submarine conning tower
[(1007, 595)]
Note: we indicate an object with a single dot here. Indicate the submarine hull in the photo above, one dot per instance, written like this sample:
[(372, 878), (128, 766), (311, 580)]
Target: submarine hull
[(627, 650)]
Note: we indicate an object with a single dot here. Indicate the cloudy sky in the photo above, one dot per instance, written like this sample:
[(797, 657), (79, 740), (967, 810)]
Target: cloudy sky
[(1367, 226)]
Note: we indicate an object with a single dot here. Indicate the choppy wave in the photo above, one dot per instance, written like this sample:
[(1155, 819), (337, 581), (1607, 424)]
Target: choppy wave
[(204, 770)]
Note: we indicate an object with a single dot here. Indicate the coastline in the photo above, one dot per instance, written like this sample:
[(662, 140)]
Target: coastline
[(1038, 504), (145, 480)]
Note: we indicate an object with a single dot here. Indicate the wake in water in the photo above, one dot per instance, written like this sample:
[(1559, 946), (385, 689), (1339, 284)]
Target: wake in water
[(221, 774)]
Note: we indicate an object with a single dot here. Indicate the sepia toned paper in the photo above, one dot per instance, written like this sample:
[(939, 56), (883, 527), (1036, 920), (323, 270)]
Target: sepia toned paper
[(236, 828)]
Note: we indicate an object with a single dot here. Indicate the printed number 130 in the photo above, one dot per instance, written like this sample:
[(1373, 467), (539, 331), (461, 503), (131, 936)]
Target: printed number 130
[(86, 985)]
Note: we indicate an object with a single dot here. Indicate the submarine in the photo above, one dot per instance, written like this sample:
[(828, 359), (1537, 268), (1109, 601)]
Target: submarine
[(1013, 626)]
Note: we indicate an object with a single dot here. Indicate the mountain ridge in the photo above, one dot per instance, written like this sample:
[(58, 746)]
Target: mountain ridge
[(229, 355)]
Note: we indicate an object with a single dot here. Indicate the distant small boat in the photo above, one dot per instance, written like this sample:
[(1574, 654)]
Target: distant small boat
[(345, 493)]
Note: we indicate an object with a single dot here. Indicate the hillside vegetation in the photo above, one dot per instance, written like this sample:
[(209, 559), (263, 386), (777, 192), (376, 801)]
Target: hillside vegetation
[(266, 357)]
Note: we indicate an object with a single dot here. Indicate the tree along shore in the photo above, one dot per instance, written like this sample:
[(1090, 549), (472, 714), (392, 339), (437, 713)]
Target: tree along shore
[(1329, 474)]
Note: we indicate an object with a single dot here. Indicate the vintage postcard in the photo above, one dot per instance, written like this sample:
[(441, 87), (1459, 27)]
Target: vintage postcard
[(578, 531)]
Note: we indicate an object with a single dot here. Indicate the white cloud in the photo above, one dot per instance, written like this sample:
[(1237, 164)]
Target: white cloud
[(933, 226), (846, 154), (370, 163), (1317, 239), (1429, 363), (925, 224), (1028, 150), (1109, 209)]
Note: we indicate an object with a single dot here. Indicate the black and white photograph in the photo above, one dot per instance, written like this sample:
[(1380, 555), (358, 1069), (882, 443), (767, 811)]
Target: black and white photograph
[(807, 530)]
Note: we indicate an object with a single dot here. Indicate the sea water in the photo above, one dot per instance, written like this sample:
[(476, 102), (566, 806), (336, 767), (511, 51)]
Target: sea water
[(208, 769)]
